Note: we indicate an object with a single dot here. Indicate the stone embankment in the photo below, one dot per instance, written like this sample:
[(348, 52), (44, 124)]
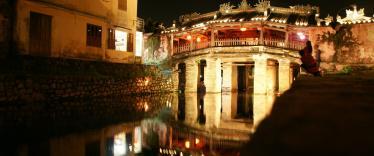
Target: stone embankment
[(41, 79)]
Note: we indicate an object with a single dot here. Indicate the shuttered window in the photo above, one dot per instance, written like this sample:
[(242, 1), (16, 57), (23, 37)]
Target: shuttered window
[(40, 34), (130, 42), (122, 5), (94, 35), (111, 39)]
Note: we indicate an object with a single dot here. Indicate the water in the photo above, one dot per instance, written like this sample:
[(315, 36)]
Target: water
[(168, 124)]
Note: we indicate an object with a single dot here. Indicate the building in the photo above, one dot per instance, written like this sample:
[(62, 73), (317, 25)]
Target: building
[(240, 48), (85, 29)]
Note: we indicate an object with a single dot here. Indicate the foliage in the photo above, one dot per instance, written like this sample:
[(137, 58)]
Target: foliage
[(347, 70), (152, 26), (342, 38), (153, 44)]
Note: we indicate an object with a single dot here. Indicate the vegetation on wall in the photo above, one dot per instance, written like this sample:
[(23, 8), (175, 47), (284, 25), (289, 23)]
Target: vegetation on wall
[(343, 38)]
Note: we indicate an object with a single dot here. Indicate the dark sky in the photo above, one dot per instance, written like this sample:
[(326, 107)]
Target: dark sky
[(168, 10)]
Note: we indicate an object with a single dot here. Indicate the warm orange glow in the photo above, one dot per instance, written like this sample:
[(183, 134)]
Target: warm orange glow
[(189, 37), (146, 106), (187, 144), (243, 29), (197, 141), (198, 39)]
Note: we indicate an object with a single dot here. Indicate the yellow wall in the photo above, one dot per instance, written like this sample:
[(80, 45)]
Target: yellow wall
[(69, 24)]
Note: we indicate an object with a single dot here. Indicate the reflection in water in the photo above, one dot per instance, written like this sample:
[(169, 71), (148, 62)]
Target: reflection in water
[(192, 124)]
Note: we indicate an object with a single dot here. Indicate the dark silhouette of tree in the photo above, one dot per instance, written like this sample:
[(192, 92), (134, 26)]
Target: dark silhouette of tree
[(343, 37)]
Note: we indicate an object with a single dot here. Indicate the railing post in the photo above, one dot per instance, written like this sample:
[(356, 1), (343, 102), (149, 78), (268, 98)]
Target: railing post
[(212, 39), (191, 45), (262, 35), (286, 40), (172, 44)]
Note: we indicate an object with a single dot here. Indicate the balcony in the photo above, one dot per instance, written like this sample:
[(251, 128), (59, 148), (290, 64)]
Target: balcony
[(140, 24), (234, 42)]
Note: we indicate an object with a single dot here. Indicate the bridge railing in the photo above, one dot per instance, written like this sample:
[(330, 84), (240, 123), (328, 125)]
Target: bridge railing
[(231, 42)]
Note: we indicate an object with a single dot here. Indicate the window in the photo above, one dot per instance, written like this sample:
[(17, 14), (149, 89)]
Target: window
[(94, 35), (40, 34), (122, 5), (120, 40), (111, 39), (130, 42)]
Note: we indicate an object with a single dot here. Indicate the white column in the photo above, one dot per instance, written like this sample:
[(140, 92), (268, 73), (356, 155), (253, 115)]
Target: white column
[(234, 79), (271, 77), (262, 106), (260, 74), (212, 75), (191, 109), (284, 75), (226, 79), (191, 76), (226, 105), (212, 110)]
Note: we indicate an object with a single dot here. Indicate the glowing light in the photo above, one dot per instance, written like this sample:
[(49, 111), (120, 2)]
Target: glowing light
[(243, 29), (146, 107), (301, 35), (197, 141), (198, 39), (119, 147), (187, 144), (189, 37)]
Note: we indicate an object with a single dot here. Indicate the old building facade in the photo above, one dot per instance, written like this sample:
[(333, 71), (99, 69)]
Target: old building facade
[(85, 29)]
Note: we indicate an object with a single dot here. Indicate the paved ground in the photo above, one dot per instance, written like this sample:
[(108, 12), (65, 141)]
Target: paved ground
[(331, 115)]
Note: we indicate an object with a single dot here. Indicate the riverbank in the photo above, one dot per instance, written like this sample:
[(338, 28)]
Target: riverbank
[(330, 115)]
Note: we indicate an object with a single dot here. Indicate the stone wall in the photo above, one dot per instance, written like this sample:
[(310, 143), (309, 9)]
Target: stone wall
[(39, 89), (41, 96), (32, 79), (335, 58)]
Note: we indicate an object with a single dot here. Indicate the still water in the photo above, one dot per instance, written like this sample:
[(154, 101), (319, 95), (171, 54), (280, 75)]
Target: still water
[(168, 124)]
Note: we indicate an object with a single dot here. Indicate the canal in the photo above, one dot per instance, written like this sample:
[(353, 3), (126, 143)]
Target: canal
[(160, 124)]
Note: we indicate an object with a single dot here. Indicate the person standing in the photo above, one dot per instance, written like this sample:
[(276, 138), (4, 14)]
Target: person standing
[(308, 62)]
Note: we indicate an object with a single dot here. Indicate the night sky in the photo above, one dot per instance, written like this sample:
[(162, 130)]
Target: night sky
[(168, 10)]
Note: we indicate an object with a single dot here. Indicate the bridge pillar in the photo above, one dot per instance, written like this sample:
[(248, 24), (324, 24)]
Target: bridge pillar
[(175, 77), (191, 108), (272, 77), (284, 75), (191, 76), (227, 100), (212, 110), (260, 74), (212, 75), (229, 82)]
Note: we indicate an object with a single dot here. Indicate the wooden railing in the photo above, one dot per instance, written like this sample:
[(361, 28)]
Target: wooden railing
[(232, 42), (229, 42)]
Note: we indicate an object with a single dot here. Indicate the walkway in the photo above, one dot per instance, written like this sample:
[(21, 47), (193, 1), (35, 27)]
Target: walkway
[(332, 115)]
